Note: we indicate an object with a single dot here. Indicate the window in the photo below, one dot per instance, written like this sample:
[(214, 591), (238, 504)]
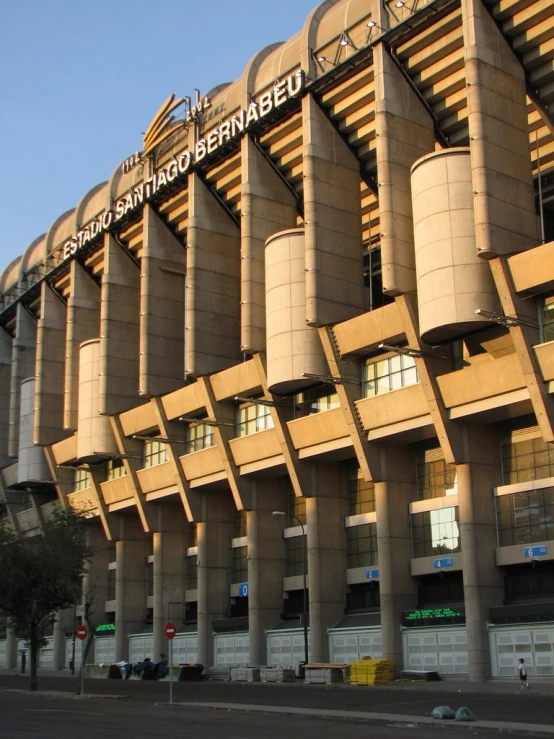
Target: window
[(361, 494), (433, 590), (116, 469), (363, 596), (547, 319), (155, 452), (373, 277), (523, 461), (537, 583), (435, 532), (253, 418), (149, 577), (316, 400), (435, 478), (191, 612), (295, 552), (111, 585), (295, 507), (293, 605), (191, 571), (362, 545), (389, 374), (199, 436), (525, 517), (82, 479), (240, 564), (240, 528)]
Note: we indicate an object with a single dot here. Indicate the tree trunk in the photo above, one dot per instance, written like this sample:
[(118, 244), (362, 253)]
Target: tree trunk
[(34, 655)]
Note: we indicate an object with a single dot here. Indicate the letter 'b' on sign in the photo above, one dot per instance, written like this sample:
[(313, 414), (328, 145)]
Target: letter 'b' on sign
[(170, 630), (82, 632)]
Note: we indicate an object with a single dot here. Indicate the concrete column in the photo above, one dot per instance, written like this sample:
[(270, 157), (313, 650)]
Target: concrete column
[(62, 624), (83, 323), (23, 365), (131, 588), (95, 581), (162, 308), (265, 565), (11, 649), (397, 588), (267, 206), (170, 543), (326, 543), (504, 201), (404, 133), (50, 369), (213, 284), (215, 532), (332, 218), (119, 330), (483, 580), (5, 383)]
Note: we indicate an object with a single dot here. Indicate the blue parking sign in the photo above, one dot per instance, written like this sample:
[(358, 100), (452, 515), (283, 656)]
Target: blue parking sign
[(443, 562), (243, 590)]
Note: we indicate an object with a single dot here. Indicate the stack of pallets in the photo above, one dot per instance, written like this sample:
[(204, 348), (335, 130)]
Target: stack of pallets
[(277, 674), (245, 674), (324, 673), (371, 672)]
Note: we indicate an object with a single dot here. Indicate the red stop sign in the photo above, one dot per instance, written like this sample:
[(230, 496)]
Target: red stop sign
[(82, 632), (170, 630)]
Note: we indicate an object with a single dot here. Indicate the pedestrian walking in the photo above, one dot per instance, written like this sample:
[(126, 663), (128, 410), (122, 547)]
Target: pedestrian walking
[(522, 670)]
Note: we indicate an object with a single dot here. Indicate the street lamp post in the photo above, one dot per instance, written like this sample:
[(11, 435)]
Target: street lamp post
[(305, 609)]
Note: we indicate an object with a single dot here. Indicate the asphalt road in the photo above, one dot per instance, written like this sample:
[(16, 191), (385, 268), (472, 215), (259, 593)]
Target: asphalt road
[(492, 702), (51, 716)]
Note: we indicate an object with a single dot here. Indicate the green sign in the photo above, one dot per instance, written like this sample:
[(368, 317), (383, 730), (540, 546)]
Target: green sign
[(428, 616), (103, 628)]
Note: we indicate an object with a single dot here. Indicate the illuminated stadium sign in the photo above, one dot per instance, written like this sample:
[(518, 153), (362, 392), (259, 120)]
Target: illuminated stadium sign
[(104, 629), (433, 616), (185, 161)]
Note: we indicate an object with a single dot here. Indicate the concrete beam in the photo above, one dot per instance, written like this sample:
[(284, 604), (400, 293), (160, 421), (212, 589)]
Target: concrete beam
[(298, 471), (524, 338), (131, 449), (449, 434), (191, 499), (241, 488), (368, 454)]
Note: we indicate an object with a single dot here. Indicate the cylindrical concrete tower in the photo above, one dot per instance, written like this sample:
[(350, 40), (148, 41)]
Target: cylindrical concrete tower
[(292, 347), (452, 281), (95, 435), (31, 464)]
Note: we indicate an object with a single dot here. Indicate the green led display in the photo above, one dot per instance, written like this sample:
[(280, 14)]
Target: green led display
[(105, 627), (432, 614)]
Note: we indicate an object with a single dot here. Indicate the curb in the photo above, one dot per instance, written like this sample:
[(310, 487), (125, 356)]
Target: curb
[(63, 694), (393, 718)]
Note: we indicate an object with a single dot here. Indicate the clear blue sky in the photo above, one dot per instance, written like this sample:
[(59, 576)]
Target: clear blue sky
[(81, 79)]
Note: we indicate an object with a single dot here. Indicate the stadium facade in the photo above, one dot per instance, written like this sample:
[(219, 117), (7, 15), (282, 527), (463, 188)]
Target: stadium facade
[(300, 346)]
